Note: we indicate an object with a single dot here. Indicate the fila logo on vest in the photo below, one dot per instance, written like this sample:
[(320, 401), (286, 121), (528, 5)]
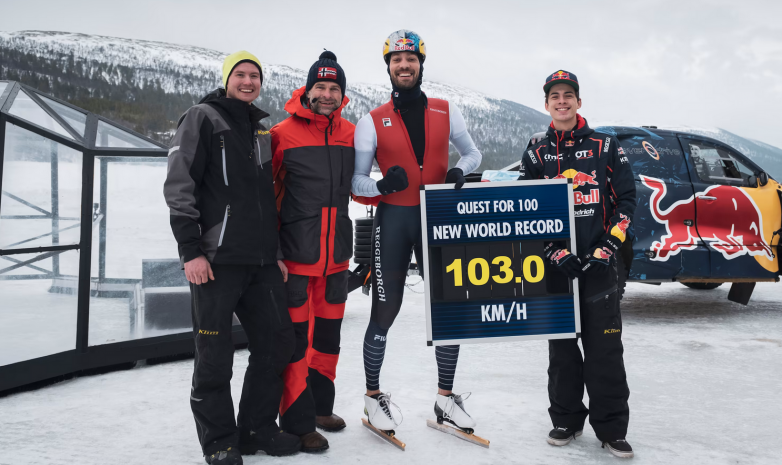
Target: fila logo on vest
[(329, 73), (386, 122)]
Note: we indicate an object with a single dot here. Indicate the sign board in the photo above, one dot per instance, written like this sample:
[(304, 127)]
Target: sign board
[(487, 279)]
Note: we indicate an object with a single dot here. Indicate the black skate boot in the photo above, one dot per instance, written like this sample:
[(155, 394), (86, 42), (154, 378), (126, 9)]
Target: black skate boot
[(619, 448), (230, 456), (562, 436)]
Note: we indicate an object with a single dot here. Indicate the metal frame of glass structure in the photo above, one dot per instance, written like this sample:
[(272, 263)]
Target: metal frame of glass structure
[(101, 139)]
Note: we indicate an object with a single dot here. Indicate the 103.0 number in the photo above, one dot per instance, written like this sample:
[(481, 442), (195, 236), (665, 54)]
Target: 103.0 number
[(505, 275)]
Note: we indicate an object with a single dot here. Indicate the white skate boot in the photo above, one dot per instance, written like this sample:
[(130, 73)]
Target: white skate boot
[(381, 412), (450, 408)]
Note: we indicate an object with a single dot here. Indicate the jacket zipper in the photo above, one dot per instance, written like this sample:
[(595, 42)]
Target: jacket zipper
[(258, 146), (331, 195), (225, 222), (222, 147), (602, 295)]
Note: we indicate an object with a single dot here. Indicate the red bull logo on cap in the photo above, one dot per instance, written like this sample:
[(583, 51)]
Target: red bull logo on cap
[(405, 41), (731, 223), (560, 75)]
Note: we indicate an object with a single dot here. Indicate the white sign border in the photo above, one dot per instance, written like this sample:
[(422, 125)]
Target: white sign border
[(425, 249)]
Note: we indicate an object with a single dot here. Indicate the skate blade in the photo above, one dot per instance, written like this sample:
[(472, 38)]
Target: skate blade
[(458, 433), (390, 438)]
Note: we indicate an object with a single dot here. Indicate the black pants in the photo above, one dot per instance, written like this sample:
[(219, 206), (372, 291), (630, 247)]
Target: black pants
[(602, 368), (257, 295)]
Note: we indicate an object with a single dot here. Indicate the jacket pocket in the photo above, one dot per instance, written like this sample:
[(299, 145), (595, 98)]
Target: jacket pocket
[(225, 223), (337, 288), (343, 239), (300, 239), (222, 150)]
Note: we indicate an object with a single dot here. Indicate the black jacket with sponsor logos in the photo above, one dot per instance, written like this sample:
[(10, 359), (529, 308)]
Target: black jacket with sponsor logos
[(604, 189), (219, 187)]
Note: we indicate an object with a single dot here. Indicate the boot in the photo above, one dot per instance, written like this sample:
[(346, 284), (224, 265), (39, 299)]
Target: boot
[(276, 444), (330, 423), (313, 442), (230, 456)]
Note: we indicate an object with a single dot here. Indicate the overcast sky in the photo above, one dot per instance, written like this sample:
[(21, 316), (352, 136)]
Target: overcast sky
[(695, 63)]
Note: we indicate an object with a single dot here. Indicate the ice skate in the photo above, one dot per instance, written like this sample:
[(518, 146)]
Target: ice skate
[(450, 409), (382, 417)]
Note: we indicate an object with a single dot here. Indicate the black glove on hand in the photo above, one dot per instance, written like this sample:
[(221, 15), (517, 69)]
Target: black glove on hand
[(603, 257), (565, 261), (455, 175), (395, 180)]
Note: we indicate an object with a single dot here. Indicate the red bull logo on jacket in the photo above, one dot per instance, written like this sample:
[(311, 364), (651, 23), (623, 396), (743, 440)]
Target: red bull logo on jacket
[(620, 230), (729, 221), (579, 178)]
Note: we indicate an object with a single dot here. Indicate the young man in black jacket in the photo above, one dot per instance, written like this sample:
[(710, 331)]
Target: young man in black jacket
[(604, 198), (220, 194)]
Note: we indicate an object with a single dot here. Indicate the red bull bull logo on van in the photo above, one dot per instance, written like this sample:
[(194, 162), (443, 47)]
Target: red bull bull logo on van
[(735, 234)]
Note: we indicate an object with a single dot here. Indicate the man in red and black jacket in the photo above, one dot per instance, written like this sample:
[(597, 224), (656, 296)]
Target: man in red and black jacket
[(604, 198), (313, 161)]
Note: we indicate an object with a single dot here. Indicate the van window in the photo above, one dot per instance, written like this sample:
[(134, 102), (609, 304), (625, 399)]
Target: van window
[(716, 165)]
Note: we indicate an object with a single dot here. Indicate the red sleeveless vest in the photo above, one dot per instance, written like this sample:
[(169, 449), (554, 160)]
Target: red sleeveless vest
[(394, 148)]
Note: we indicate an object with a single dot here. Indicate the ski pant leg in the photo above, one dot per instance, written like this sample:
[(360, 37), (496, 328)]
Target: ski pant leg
[(566, 384), (604, 370), (328, 299), (263, 313), (212, 306), (395, 231), (297, 408)]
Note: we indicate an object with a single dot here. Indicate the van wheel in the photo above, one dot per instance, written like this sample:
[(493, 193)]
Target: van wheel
[(703, 286)]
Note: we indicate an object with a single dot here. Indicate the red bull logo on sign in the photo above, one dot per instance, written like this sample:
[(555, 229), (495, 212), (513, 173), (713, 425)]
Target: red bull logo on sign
[(729, 221)]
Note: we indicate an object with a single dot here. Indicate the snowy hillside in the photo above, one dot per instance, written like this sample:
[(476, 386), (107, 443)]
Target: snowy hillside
[(147, 85), (500, 127)]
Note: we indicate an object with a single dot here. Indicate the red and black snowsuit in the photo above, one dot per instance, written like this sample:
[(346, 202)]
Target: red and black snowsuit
[(313, 159)]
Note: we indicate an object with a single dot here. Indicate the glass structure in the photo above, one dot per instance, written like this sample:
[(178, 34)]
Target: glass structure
[(89, 269)]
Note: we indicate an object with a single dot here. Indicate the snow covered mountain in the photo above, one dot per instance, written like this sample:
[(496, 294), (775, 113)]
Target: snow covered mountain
[(147, 85)]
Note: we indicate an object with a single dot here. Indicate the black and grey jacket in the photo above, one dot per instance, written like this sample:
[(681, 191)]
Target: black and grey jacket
[(219, 187)]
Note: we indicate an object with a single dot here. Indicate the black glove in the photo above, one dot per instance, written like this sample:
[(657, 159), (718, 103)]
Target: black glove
[(565, 261), (602, 257), (395, 180), (455, 175)]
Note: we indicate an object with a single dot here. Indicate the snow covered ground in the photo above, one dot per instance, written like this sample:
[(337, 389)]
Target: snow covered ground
[(704, 375)]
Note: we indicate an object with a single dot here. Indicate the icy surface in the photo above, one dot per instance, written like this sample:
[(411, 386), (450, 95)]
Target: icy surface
[(704, 375)]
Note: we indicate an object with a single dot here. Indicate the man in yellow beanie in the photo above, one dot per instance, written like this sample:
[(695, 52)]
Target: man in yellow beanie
[(220, 193)]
